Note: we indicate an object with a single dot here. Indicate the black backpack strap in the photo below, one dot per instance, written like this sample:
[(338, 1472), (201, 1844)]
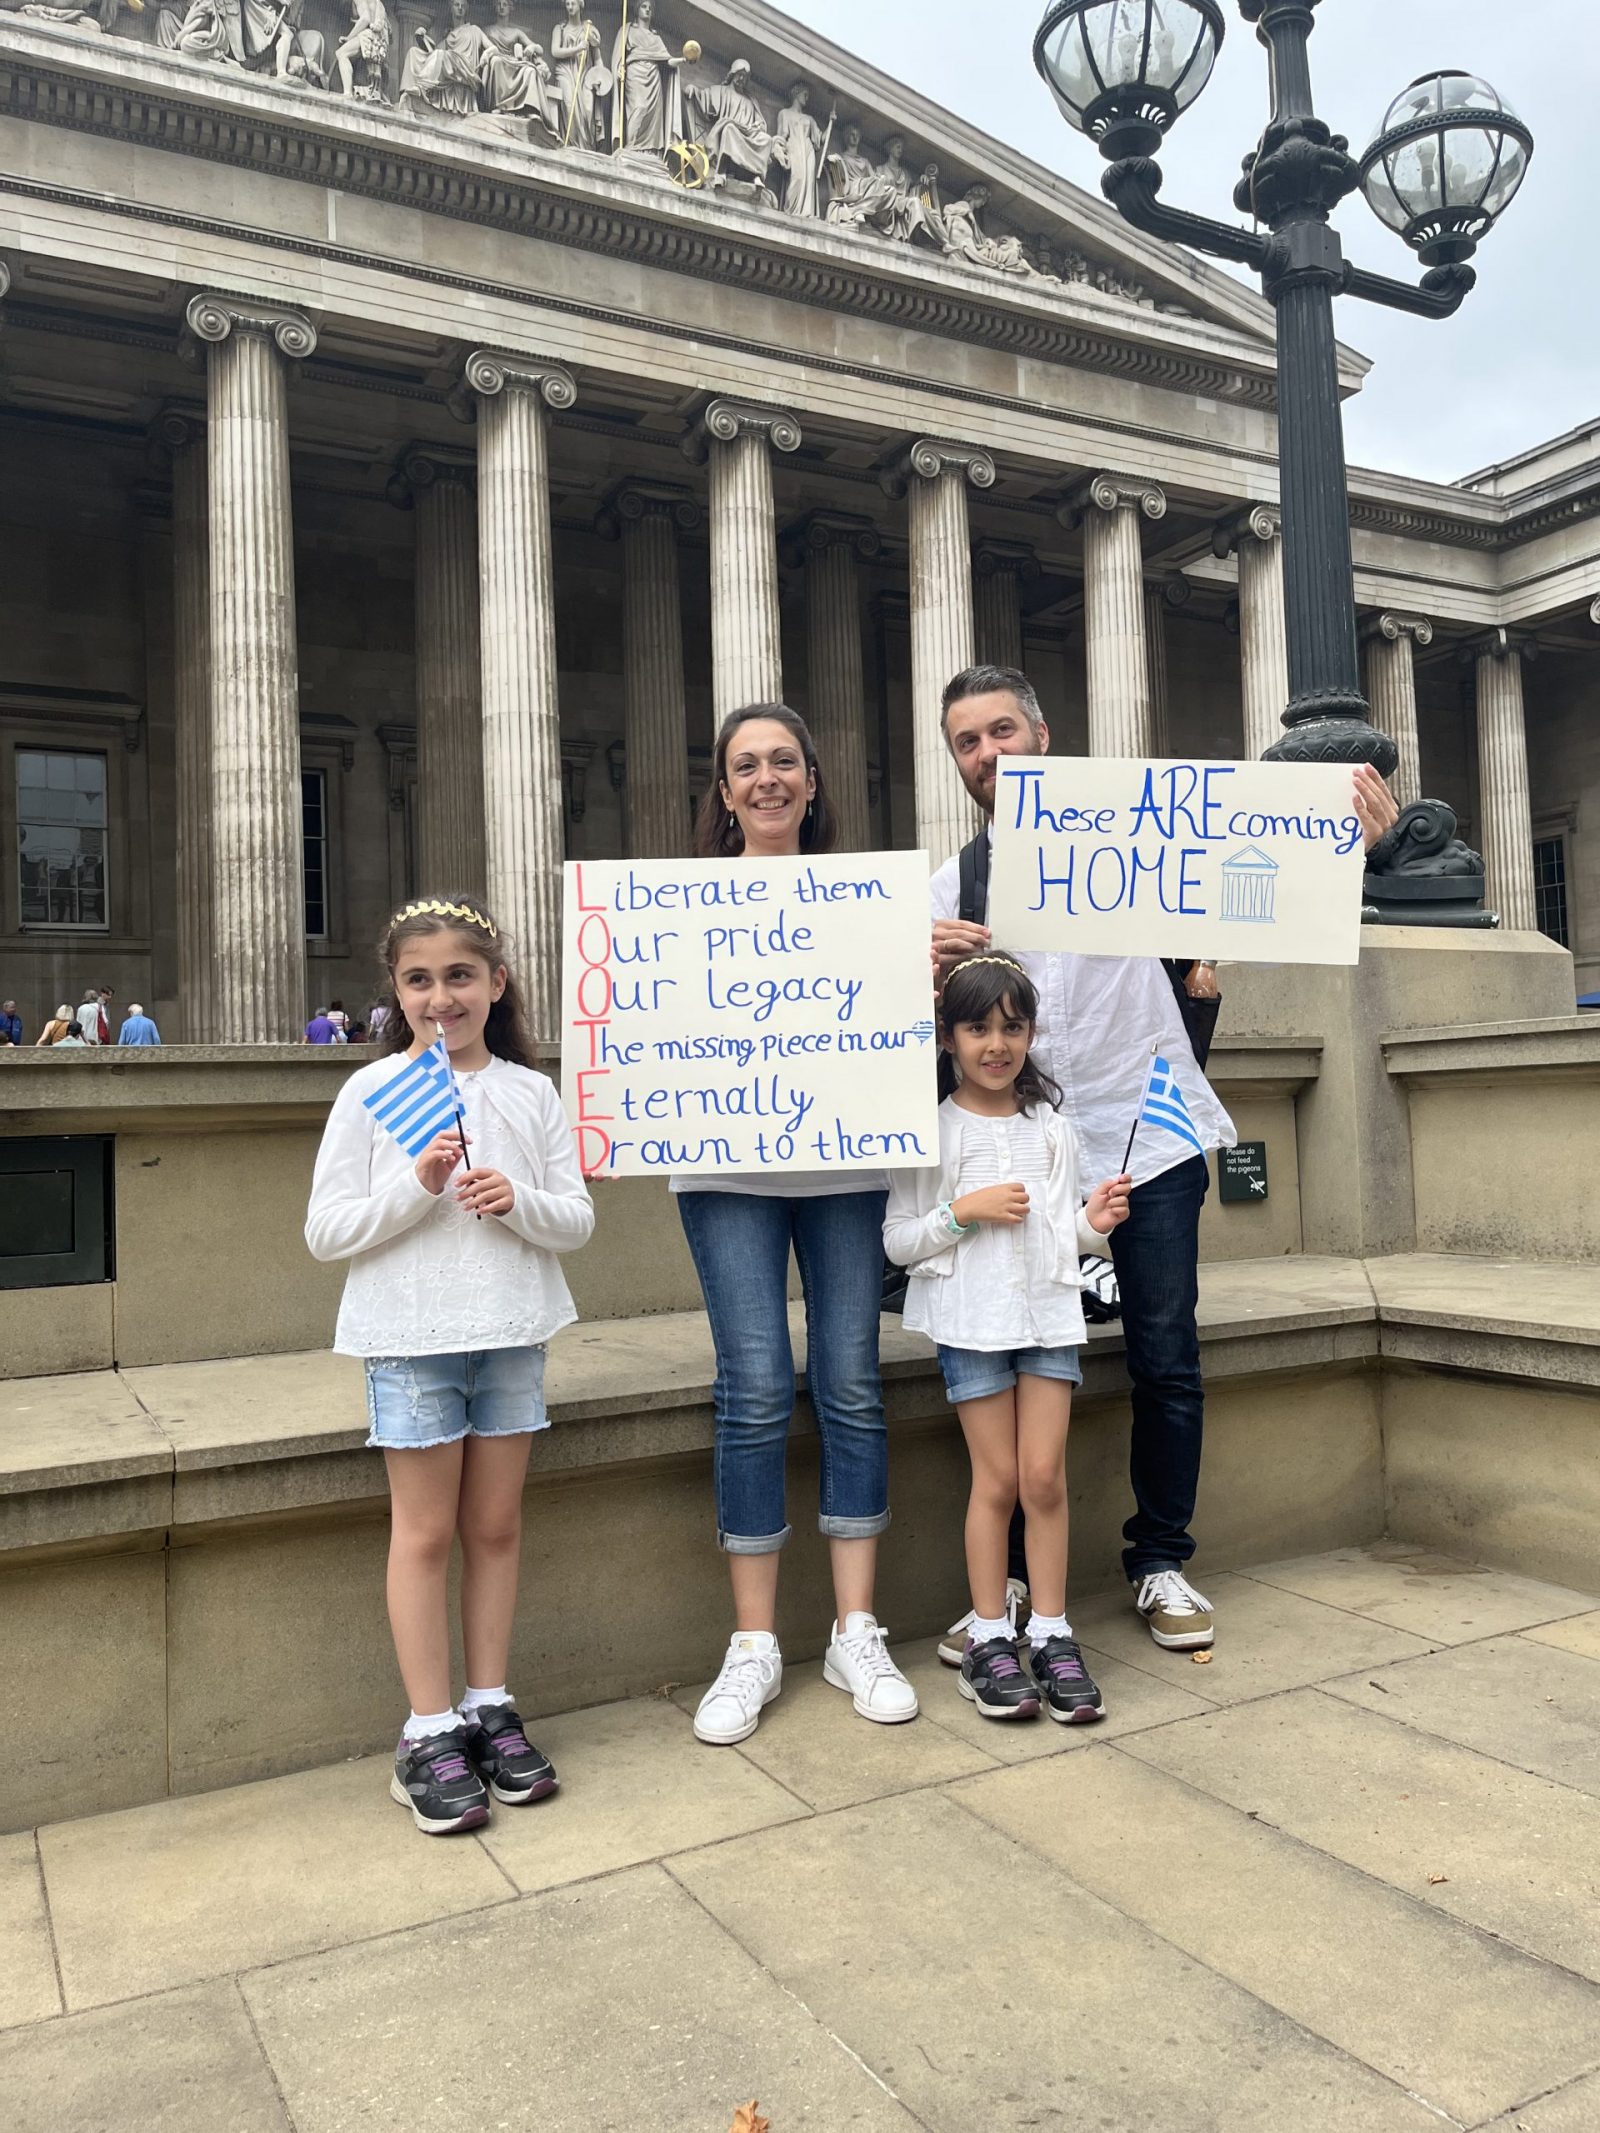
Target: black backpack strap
[(975, 880)]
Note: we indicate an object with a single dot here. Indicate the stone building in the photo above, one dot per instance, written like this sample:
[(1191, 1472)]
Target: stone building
[(418, 428)]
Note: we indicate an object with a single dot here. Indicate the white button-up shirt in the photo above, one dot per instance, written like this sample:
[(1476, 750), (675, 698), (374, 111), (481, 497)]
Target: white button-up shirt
[(1099, 1016)]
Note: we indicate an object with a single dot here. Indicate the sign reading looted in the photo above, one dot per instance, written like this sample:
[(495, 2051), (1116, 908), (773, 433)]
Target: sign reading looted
[(724, 1018), (1247, 862)]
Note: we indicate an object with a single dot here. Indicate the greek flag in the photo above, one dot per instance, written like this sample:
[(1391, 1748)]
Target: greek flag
[(420, 1102), (1164, 1105)]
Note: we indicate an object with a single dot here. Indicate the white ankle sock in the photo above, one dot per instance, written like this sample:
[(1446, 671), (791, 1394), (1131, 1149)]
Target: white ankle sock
[(984, 1631), (475, 1699), (1041, 1628), (426, 1725)]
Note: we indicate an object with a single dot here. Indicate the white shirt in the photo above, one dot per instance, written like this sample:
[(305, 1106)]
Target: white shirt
[(1098, 1017), (88, 1021), (426, 1276), (1001, 1286)]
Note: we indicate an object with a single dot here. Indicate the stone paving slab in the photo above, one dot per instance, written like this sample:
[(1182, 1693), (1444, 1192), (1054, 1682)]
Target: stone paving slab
[(1528, 1704), (187, 1889), (1573, 2109), (1579, 1633), (1513, 1854), (27, 1970), (1433, 1596), (1348, 1958), (635, 1784), (187, 2062), (990, 1992), (613, 2007)]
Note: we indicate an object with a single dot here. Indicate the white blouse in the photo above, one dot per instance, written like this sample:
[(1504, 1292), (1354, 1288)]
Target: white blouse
[(1002, 1286), (426, 1276)]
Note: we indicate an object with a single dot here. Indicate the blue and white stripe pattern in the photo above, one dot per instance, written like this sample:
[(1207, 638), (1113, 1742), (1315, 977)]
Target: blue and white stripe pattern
[(1164, 1105), (420, 1102)]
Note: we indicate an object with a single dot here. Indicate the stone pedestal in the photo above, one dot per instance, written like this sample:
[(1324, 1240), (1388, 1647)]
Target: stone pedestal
[(1507, 827), (648, 518), (942, 639), (1108, 509), (184, 439), (450, 820), (746, 635), (259, 922), (521, 718), (833, 546), (1256, 537), (999, 571), (1392, 692)]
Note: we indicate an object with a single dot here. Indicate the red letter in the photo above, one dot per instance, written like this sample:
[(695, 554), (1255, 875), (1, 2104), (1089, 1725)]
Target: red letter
[(577, 874), (586, 1097)]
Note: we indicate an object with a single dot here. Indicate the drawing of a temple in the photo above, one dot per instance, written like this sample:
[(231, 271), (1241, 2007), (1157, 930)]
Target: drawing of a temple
[(1250, 887)]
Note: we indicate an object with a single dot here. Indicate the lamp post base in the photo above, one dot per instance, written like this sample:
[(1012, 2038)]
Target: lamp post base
[(1421, 874)]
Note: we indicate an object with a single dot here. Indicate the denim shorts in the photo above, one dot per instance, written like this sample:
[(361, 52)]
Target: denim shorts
[(973, 1374), (417, 1401)]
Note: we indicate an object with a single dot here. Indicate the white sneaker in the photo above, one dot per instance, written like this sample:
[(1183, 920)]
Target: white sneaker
[(953, 1644), (858, 1661), (752, 1674), (1179, 1618)]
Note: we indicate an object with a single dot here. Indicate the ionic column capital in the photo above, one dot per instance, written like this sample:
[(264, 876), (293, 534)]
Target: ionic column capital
[(5, 280), (822, 530), (1499, 644), (1173, 590), (1391, 627), (1111, 493), (179, 427), (995, 559), (1594, 614), (489, 371), (430, 466), (723, 421), (213, 318), (1261, 522), (631, 502), (930, 457)]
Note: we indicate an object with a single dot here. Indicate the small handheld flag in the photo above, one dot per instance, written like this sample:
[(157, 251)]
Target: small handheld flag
[(1162, 1105), (420, 1102)]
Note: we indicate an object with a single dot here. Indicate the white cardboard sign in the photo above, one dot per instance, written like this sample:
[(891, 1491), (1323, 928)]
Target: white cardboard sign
[(1247, 862), (727, 1018)]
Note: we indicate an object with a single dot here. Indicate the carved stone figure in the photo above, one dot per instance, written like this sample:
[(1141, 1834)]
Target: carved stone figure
[(932, 206), (516, 80), (797, 149), (909, 216), (966, 239), (860, 196), (647, 103), (1421, 868), (442, 78), (583, 82), (360, 59), (66, 18), (735, 136)]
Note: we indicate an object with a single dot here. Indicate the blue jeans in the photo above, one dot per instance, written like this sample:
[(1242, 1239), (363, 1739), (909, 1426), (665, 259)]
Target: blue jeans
[(740, 1243), (417, 1401)]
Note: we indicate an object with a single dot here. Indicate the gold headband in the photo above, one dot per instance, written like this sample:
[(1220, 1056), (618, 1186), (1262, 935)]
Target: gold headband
[(1002, 962), (430, 908)]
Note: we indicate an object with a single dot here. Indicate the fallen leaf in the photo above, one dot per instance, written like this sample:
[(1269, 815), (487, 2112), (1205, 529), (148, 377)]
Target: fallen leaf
[(1202, 1658), (748, 2119), (1433, 1882)]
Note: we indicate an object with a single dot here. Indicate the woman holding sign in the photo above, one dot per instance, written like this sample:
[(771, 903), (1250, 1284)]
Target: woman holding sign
[(767, 800)]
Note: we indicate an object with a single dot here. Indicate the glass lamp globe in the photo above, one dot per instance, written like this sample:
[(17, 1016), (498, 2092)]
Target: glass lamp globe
[(1122, 71), (1447, 162)]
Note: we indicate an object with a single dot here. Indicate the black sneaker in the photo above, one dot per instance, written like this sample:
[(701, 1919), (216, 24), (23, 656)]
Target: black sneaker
[(504, 1757), (1070, 1693), (434, 1779), (992, 1676)]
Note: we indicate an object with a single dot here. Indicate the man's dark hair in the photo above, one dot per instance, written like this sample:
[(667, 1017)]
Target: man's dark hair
[(991, 681)]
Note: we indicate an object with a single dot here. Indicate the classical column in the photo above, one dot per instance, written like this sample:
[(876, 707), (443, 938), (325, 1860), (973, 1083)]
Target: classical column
[(183, 435), (1160, 596), (1507, 825), (942, 633), (521, 717), (1392, 692), (259, 904), (648, 517), (438, 483), (746, 638), (833, 546), (1108, 509), (999, 571), (1256, 536)]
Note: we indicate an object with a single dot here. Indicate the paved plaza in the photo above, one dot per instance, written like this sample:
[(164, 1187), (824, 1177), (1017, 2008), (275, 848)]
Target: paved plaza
[(1342, 1879)]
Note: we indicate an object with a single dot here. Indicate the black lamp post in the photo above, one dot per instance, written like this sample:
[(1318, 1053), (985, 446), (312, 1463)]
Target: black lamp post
[(1448, 162)]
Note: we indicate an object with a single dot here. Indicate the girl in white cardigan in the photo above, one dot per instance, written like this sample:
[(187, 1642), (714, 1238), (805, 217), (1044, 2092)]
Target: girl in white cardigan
[(992, 1239), (452, 1292)]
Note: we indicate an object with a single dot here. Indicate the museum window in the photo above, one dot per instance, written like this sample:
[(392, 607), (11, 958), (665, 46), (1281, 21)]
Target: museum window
[(1550, 889), (61, 838), (314, 850)]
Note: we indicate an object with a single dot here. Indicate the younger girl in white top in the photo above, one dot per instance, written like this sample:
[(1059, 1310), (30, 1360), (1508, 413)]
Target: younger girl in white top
[(453, 1291), (992, 1239)]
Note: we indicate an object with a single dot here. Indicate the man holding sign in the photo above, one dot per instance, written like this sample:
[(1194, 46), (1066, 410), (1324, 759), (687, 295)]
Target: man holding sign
[(1112, 1034)]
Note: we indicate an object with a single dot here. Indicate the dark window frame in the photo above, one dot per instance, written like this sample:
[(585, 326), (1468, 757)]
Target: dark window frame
[(1552, 909), (48, 922), (88, 1160)]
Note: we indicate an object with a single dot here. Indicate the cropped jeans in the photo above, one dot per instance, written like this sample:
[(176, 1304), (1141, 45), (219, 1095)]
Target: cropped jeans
[(741, 1244)]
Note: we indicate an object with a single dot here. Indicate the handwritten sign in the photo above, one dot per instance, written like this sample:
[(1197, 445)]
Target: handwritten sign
[(1247, 862), (724, 1018)]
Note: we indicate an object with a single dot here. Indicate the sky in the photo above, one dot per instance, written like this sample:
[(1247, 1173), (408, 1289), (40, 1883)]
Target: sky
[(1517, 364)]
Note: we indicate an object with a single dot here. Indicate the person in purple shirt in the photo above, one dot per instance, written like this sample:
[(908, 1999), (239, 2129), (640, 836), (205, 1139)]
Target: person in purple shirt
[(137, 1027), (319, 1030), (10, 1022)]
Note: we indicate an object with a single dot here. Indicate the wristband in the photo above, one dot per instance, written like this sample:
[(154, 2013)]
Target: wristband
[(947, 1215)]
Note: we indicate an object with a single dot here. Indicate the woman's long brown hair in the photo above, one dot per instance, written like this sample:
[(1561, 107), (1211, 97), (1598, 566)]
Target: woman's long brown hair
[(717, 834)]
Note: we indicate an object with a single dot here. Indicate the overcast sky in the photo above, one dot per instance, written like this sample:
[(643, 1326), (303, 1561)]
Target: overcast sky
[(1518, 363)]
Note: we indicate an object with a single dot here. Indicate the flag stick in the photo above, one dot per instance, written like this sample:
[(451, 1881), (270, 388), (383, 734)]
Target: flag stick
[(1138, 1115), (455, 1102)]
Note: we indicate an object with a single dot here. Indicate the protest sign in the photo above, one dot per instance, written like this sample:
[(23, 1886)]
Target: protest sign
[(1247, 862), (729, 1018)]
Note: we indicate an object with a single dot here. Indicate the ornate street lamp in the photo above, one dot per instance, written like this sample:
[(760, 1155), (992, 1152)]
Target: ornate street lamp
[(1447, 164)]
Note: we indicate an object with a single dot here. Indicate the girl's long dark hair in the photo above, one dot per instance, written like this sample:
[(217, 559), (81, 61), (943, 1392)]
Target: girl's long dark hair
[(717, 834), (506, 1031), (972, 991)]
